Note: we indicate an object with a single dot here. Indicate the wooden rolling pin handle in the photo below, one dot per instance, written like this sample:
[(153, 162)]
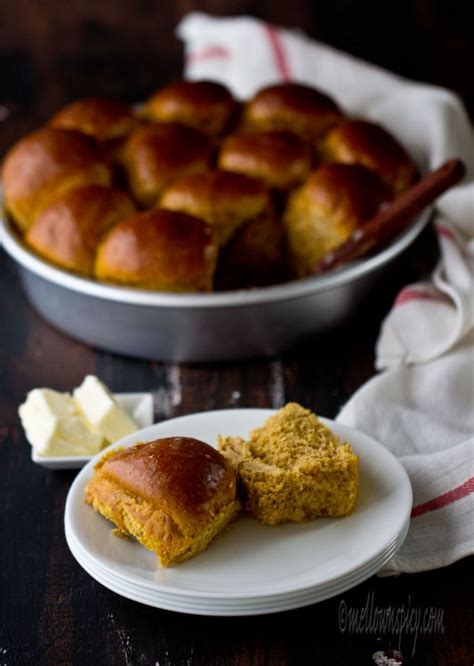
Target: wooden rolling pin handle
[(394, 217)]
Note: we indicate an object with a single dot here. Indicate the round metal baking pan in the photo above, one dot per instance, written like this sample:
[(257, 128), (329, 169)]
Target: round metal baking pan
[(197, 327)]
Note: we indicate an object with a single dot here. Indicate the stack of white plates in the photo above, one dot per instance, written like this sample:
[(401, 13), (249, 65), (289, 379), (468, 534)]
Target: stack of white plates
[(251, 568)]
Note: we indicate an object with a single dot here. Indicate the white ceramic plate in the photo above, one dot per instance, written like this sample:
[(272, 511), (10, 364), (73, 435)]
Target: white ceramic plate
[(140, 408), (251, 562), (231, 607)]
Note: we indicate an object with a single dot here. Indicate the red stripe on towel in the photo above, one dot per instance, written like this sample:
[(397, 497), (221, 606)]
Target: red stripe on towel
[(416, 294), (279, 52), (446, 232), (209, 53), (451, 496)]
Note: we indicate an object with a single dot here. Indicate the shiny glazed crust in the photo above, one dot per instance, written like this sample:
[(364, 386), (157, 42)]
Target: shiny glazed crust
[(279, 158), (369, 144), (327, 209), (45, 164), (103, 119), (174, 495), (246, 228), (205, 105), (159, 249), (68, 231), (294, 107), (224, 200), (248, 179), (155, 155)]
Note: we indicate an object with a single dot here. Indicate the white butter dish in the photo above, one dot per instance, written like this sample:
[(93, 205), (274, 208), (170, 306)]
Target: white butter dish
[(138, 405)]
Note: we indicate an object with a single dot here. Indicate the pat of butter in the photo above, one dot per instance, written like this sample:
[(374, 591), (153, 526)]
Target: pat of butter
[(100, 409), (55, 427)]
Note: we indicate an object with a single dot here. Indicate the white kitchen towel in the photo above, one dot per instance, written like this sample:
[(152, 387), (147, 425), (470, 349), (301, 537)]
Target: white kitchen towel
[(424, 414), (422, 405)]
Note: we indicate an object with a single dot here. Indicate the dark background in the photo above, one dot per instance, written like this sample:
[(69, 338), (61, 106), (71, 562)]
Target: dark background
[(52, 51), (52, 612)]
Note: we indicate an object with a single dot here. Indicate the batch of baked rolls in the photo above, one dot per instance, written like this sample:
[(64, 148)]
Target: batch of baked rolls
[(194, 191)]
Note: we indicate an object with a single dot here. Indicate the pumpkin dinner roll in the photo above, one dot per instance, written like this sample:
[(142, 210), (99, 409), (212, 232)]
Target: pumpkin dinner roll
[(293, 468), (242, 215), (174, 495), (280, 159), (159, 249), (68, 231), (45, 164), (369, 144), (103, 119), (224, 200), (292, 106), (154, 155), (325, 211), (255, 256), (205, 105)]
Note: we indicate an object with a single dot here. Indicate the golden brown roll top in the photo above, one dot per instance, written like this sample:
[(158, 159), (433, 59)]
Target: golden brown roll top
[(224, 200), (174, 495), (327, 209), (68, 231), (369, 144), (155, 155), (45, 164), (246, 228), (205, 105), (279, 158), (223, 192), (292, 106), (159, 249), (183, 476), (103, 119)]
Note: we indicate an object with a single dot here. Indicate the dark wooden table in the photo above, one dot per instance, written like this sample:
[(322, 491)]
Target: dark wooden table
[(52, 612)]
